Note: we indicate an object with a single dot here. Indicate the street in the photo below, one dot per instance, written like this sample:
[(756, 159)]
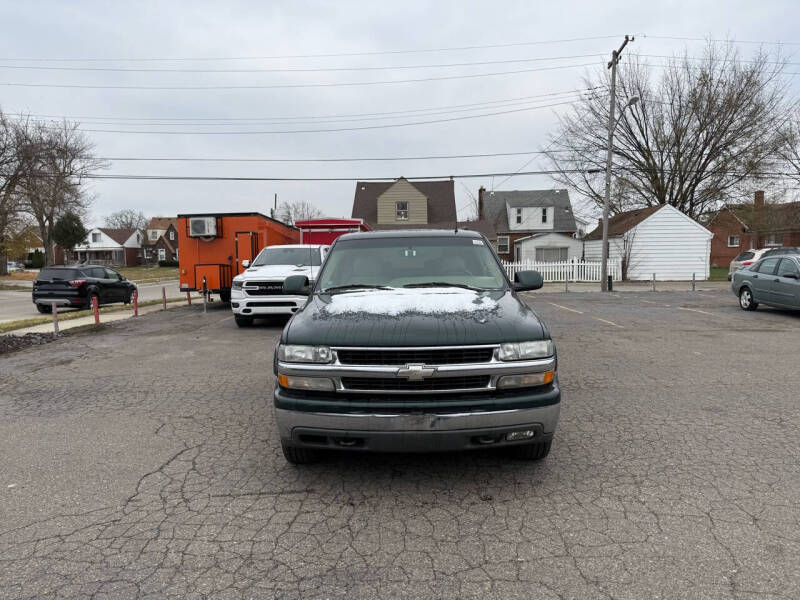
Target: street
[(142, 461), (15, 305)]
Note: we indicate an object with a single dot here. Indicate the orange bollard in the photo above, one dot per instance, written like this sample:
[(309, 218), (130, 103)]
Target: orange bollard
[(54, 308), (164, 296), (135, 303), (189, 298), (96, 310)]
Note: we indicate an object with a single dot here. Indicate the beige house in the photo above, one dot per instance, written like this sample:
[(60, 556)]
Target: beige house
[(402, 204)]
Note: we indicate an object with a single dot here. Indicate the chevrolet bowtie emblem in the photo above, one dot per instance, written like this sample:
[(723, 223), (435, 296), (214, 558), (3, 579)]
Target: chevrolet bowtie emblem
[(415, 372)]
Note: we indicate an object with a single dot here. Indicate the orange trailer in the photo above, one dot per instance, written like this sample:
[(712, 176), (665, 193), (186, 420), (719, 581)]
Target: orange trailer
[(213, 246)]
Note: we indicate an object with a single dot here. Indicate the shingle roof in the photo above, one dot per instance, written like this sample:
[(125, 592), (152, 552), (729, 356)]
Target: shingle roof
[(118, 235), (623, 222), (440, 194), (779, 216), (494, 207), (162, 222)]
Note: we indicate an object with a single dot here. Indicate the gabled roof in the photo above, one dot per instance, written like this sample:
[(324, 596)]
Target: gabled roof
[(118, 235), (623, 222), (162, 222), (776, 216), (440, 194), (494, 207)]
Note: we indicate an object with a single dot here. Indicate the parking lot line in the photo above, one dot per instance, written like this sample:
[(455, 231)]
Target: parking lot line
[(609, 322), (698, 311), (566, 308)]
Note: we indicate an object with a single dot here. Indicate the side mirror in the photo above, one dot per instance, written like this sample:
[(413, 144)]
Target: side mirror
[(296, 285), (527, 280), (246, 264)]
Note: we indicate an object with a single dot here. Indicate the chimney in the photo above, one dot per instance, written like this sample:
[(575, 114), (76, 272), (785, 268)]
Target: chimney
[(481, 192), (759, 199)]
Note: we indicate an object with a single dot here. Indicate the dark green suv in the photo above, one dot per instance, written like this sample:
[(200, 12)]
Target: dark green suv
[(415, 341)]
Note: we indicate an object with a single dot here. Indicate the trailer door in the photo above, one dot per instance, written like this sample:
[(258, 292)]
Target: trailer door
[(246, 248)]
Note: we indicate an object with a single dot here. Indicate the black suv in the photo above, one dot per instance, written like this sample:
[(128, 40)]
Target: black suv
[(415, 341), (74, 286)]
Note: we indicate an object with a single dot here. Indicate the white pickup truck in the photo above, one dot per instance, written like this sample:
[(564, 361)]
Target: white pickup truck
[(259, 290)]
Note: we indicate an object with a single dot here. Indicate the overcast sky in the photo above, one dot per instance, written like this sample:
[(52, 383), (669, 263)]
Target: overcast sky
[(200, 30)]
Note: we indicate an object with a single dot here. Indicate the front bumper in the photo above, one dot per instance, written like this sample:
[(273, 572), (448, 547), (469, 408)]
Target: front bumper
[(469, 424), (243, 304)]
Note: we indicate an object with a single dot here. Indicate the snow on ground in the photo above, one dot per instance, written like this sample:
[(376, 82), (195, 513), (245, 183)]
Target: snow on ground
[(399, 301)]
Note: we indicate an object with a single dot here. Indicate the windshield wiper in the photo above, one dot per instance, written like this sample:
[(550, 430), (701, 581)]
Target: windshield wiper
[(354, 286), (444, 284)]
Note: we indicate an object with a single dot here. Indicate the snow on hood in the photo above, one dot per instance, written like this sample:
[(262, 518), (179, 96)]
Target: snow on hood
[(399, 301)]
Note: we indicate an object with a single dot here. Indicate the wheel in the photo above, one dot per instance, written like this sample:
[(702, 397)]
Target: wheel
[(746, 300), (91, 302), (243, 321), (45, 309), (535, 451), (225, 296), (299, 456), (128, 298)]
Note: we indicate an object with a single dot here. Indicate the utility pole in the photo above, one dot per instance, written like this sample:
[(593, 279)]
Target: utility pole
[(615, 54)]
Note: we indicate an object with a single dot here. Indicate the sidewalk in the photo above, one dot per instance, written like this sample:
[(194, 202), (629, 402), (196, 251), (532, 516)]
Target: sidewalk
[(89, 320)]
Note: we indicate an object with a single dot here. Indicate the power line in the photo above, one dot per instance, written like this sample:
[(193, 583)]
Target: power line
[(314, 160), (287, 85), (302, 69), (327, 55), (328, 130), (699, 39)]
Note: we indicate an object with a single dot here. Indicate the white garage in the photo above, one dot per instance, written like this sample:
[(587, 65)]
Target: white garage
[(548, 247), (658, 240)]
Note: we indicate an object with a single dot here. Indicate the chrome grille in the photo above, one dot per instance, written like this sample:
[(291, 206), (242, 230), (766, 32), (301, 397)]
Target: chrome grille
[(428, 356), (381, 384), (263, 288)]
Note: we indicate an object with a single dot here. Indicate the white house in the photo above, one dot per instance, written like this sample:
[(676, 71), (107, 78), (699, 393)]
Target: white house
[(660, 239), (106, 246), (548, 247)]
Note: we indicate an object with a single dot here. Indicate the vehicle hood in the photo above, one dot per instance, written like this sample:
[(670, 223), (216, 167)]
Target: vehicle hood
[(419, 317), (278, 272)]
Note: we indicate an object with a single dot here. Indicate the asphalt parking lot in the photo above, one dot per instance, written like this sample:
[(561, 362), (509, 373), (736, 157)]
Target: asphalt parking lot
[(142, 461)]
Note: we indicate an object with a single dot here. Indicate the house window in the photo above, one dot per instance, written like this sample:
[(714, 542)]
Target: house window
[(519, 216), (549, 255), (153, 234), (544, 215), (733, 241), (171, 234), (401, 211), (773, 239), (95, 238), (162, 254), (502, 244)]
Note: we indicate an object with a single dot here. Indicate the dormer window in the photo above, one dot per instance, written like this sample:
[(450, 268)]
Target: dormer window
[(544, 215), (153, 234), (519, 216), (401, 211), (95, 238)]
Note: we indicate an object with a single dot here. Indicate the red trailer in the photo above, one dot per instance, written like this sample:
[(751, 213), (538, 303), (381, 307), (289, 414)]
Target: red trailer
[(324, 231)]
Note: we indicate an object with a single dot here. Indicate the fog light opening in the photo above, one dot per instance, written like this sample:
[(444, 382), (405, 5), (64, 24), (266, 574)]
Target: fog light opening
[(525, 434)]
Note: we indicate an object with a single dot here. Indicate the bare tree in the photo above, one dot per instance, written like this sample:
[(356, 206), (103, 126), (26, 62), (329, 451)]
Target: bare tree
[(13, 162), (298, 210), (126, 219), (61, 158), (701, 129)]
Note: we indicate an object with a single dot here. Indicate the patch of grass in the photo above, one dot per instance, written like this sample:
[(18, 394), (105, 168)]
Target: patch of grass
[(22, 275), (13, 288), (68, 316), (718, 274), (149, 273)]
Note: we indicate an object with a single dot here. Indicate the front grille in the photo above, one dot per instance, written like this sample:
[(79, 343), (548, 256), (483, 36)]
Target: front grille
[(448, 356), (263, 288), (404, 385)]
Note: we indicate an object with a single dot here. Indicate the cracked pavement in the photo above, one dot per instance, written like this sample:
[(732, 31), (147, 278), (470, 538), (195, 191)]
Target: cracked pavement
[(143, 461)]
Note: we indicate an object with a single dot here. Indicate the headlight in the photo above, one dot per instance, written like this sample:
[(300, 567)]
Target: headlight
[(526, 350), (237, 284), (304, 354)]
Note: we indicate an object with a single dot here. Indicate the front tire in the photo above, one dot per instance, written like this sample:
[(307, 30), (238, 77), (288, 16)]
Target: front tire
[(535, 451), (243, 321), (746, 300), (299, 456), (45, 309), (225, 296)]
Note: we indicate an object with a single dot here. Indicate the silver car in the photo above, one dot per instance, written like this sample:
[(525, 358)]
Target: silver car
[(774, 281), (745, 259)]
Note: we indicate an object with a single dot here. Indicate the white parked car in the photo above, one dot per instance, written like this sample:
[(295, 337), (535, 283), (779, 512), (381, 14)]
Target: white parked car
[(259, 290), (745, 259)]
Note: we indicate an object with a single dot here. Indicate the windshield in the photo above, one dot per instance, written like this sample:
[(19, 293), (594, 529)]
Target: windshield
[(288, 256), (411, 262)]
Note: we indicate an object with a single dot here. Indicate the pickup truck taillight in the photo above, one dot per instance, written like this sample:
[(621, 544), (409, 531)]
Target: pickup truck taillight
[(77, 282)]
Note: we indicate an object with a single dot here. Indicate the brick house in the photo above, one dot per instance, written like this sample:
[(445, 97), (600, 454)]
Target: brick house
[(160, 241), (402, 204), (519, 214), (740, 227)]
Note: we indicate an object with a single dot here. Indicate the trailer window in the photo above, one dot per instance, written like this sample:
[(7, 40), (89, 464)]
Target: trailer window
[(288, 256)]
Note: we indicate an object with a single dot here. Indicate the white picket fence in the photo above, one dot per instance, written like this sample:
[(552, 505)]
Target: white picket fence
[(572, 270)]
